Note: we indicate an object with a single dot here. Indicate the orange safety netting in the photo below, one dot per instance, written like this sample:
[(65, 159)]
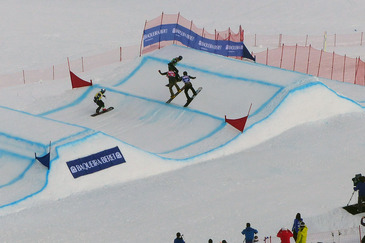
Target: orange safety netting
[(309, 60)]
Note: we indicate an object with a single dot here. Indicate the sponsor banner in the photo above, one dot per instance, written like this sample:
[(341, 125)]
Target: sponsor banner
[(95, 162), (175, 32)]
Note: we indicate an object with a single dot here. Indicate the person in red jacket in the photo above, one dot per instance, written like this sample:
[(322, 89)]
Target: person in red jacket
[(284, 234)]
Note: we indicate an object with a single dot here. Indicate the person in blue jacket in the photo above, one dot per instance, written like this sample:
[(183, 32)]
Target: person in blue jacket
[(249, 233), (296, 225)]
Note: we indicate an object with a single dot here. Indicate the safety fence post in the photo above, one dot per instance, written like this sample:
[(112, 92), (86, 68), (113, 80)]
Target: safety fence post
[(281, 58), (295, 56), (309, 53), (159, 40), (140, 48), (319, 65)]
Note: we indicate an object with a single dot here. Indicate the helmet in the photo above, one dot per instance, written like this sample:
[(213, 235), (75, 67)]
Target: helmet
[(102, 91), (185, 73), (180, 57)]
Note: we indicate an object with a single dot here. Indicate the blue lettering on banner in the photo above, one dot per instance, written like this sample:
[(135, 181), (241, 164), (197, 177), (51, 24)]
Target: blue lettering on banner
[(176, 32), (95, 162)]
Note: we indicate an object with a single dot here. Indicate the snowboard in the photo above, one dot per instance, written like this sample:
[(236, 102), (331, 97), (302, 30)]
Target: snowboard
[(189, 101), (178, 92), (102, 112)]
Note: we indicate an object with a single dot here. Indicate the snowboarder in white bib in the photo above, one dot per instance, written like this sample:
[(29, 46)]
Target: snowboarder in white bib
[(98, 101), (188, 85)]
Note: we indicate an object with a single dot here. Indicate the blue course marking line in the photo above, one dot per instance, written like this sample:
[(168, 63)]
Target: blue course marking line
[(21, 175), (73, 103), (164, 103), (28, 196), (21, 140), (302, 88), (147, 58), (142, 62), (223, 124), (47, 118)]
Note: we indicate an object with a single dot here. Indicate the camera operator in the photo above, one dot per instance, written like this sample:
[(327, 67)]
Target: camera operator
[(360, 186), (179, 238)]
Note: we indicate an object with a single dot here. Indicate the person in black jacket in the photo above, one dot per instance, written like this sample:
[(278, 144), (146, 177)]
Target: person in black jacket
[(173, 79), (172, 65)]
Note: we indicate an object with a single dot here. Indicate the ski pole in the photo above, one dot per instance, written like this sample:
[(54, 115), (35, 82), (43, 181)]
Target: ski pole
[(351, 197)]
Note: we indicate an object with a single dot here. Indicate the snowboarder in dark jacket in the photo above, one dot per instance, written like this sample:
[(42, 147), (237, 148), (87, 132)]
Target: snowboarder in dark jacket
[(173, 79), (188, 85), (172, 65), (98, 101)]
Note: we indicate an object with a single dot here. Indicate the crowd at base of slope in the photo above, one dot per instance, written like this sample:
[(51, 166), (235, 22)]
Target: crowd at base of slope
[(298, 233)]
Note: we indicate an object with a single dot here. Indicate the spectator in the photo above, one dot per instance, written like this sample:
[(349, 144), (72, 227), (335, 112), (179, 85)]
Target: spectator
[(302, 234), (284, 234), (249, 233), (179, 238), (296, 225), (361, 188)]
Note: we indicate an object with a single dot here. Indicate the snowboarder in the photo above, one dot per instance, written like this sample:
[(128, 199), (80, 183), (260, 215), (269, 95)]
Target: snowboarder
[(296, 225), (98, 101), (171, 75), (188, 85), (172, 65), (302, 234), (249, 233), (284, 234), (179, 238)]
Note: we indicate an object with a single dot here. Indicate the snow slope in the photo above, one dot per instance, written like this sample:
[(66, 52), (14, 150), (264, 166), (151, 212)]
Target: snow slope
[(186, 169)]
